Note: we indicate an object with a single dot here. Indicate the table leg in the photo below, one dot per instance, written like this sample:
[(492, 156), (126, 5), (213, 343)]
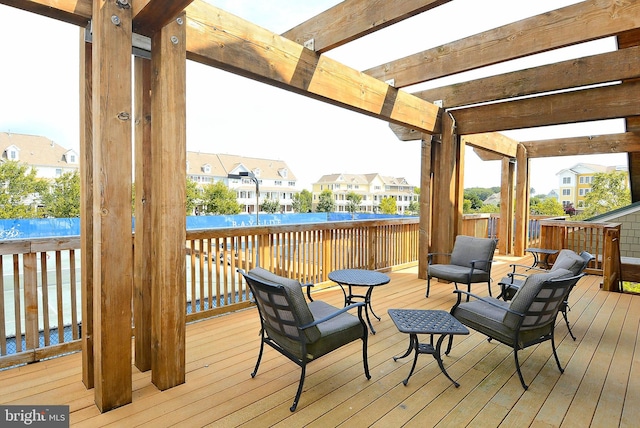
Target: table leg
[(413, 339), (438, 358), (368, 300), (535, 259)]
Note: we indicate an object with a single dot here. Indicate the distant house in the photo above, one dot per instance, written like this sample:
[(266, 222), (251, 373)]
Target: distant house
[(575, 182), (493, 200), (275, 179), (372, 187), (48, 158)]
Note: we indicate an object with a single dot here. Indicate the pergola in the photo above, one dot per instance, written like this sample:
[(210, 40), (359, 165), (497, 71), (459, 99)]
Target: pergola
[(445, 119)]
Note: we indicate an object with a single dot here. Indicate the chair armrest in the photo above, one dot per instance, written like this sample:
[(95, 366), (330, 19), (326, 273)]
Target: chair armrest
[(335, 314), (430, 256), (487, 301), (527, 267), (308, 286)]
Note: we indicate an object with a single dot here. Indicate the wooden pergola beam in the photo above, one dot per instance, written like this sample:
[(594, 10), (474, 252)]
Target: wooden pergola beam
[(599, 144), (352, 19), (222, 40), (150, 16), (493, 142), (609, 102), (588, 20), (77, 12), (603, 68)]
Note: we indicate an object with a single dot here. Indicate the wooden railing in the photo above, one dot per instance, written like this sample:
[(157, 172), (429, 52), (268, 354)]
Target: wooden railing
[(40, 303), (599, 239)]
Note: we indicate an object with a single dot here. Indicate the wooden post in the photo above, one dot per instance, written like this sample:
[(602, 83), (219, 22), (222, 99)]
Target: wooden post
[(445, 210), (505, 242), (86, 209), (143, 202), (522, 202), (30, 283), (112, 249), (168, 189), (425, 206)]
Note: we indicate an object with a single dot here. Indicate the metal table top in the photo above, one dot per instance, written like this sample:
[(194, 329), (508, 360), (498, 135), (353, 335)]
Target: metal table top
[(359, 277), (426, 321)]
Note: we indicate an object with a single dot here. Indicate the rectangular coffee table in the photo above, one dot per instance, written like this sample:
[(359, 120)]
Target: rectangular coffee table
[(424, 321)]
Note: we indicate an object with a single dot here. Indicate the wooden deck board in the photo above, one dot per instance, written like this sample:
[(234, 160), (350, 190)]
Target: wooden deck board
[(596, 389)]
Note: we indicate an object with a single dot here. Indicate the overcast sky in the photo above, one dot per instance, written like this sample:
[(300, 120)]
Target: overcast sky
[(234, 115)]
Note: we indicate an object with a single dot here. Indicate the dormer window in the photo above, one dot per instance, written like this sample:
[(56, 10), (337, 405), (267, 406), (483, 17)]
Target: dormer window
[(206, 168), (13, 153), (256, 172), (283, 172), (71, 157)]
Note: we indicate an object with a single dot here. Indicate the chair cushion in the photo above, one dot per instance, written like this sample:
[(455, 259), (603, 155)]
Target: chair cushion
[(296, 296), (338, 331), (457, 273), (570, 261), (467, 248)]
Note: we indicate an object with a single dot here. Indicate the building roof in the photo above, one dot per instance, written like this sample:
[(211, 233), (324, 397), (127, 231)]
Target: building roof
[(35, 150), (591, 168), (222, 164), (362, 179)]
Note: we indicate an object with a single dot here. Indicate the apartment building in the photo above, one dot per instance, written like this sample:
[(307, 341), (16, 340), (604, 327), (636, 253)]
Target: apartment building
[(274, 178), (372, 187), (575, 183), (48, 158)]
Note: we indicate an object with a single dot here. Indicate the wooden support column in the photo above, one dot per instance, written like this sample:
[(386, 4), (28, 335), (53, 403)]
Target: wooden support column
[(445, 211), (425, 206), (142, 243), (168, 218), (86, 210), (522, 202), (459, 189), (112, 249), (505, 242)]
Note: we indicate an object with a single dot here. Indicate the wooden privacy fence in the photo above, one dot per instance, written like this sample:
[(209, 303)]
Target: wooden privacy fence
[(40, 300)]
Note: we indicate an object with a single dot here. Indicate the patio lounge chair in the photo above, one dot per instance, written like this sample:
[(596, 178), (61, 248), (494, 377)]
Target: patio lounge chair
[(299, 330), (566, 259), (527, 320), (470, 262)]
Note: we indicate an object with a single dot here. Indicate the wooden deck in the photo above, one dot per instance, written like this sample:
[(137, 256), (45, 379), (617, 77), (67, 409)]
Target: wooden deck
[(599, 387)]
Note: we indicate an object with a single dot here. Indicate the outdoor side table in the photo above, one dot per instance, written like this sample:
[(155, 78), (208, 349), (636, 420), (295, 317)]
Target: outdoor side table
[(424, 321), (541, 256), (359, 278)]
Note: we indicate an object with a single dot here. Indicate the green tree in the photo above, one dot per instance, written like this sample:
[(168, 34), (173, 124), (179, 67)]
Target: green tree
[(474, 199), (19, 184), (354, 202), (217, 198), (270, 206), (413, 208), (608, 192), (541, 205), (302, 201), (388, 206), (326, 204), (63, 198), (192, 196)]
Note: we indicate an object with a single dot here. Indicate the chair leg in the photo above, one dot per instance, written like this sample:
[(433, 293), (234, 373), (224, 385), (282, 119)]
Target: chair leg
[(428, 285), (300, 385), (566, 320), (255, 370), (489, 286), (365, 361), (515, 354), (555, 354)]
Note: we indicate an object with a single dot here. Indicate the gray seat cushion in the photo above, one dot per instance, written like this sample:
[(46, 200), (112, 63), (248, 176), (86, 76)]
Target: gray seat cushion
[(570, 261), (457, 273)]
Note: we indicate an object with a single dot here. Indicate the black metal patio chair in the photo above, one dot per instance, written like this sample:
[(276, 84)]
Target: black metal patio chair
[(302, 331), (567, 259), (470, 262), (528, 319)]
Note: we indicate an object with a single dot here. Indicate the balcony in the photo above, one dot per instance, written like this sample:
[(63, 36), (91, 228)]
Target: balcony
[(597, 388)]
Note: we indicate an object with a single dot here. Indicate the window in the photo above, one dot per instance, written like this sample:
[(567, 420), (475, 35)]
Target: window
[(566, 203), (277, 183), (585, 180), (58, 172), (292, 184), (13, 155), (566, 180), (566, 192), (583, 192)]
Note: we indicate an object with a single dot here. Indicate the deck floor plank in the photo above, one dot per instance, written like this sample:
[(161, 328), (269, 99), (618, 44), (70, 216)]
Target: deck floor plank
[(596, 389)]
